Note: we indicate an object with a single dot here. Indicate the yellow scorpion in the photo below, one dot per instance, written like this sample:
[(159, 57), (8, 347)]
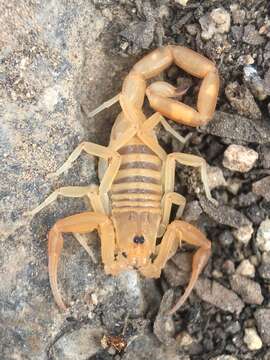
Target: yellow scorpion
[(132, 205)]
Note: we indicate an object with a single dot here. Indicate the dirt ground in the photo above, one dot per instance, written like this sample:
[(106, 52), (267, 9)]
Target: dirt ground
[(60, 60)]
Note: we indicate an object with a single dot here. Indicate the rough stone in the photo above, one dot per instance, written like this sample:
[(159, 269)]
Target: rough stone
[(219, 296), (215, 177), (236, 127), (252, 36), (259, 87), (249, 290), (263, 235), (264, 268), (262, 187), (217, 22), (84, 342), (224, 214), (238, 15), (224, 357), (244, 233), (246, 268), (239, 158), (252, 339), (192, 211), (164, 328), (242, 100), (177, 270), (262, 317)]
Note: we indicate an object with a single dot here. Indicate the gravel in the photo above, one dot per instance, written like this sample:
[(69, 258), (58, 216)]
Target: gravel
[(239, 158), (219, 296), (261, 187), (262, 317), (246, 268), (249, 290), (252, 339)]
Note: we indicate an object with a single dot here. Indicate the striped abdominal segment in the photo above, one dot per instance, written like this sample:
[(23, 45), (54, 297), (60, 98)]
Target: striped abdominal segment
[(137, 185)]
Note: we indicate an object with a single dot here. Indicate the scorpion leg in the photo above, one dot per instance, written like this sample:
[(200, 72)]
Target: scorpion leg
[(176, 232), (80, 223), (190, 160), (100, 151), (67, 191), (166, 205), (191, 235)]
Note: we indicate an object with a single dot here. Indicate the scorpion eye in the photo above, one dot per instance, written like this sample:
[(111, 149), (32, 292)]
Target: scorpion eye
[(138, 239)]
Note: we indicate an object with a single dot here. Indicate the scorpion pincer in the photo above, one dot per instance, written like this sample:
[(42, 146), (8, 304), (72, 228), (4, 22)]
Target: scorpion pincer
[(131, 207)]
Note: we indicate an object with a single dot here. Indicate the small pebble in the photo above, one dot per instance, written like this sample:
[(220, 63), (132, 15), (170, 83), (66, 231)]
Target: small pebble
[(242, 100), (249, 290), (252, 339), (239, 158), (184, 339), (252, 36), (246, 269), (215, 177), (238, 15), (226, 238), (244, 233), (224, 357), (258, 87), (228, 267), (262, 317), (263, 235), (262, 187), (264, 268), (217, 22), (215, 293), (192, 211)]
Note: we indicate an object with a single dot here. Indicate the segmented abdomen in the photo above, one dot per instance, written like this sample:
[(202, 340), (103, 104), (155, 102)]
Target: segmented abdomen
[(137, 185)]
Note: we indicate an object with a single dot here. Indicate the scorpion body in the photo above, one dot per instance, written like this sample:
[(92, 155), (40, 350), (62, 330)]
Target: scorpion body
[(132, 204)]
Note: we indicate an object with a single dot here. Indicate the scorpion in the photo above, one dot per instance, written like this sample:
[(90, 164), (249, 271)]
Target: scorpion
[(132, 205)]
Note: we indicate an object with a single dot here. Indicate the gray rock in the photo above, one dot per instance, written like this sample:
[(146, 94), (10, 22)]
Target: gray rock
[(219, 296), (79, 344), (236, 127), (252, 339), (264, 268), (246, 268), (261, 187), (252, 36), (224, 214), (262, 317), (242, 100), (244, 233), (224, 357), (259, 87), (217, 22), (148, 347), (164, 328), (192, 211), (249, 290), (263, 236), (239, 158)]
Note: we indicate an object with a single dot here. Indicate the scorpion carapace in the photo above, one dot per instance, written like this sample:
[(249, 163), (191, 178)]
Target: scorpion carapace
[(132, 205)]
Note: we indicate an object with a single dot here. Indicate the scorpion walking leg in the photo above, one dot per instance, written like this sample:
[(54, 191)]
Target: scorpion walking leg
[(176, 232), (192, 236), (80, 223), (168, 200), (190, 160), (100, 151), (67, 191)]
